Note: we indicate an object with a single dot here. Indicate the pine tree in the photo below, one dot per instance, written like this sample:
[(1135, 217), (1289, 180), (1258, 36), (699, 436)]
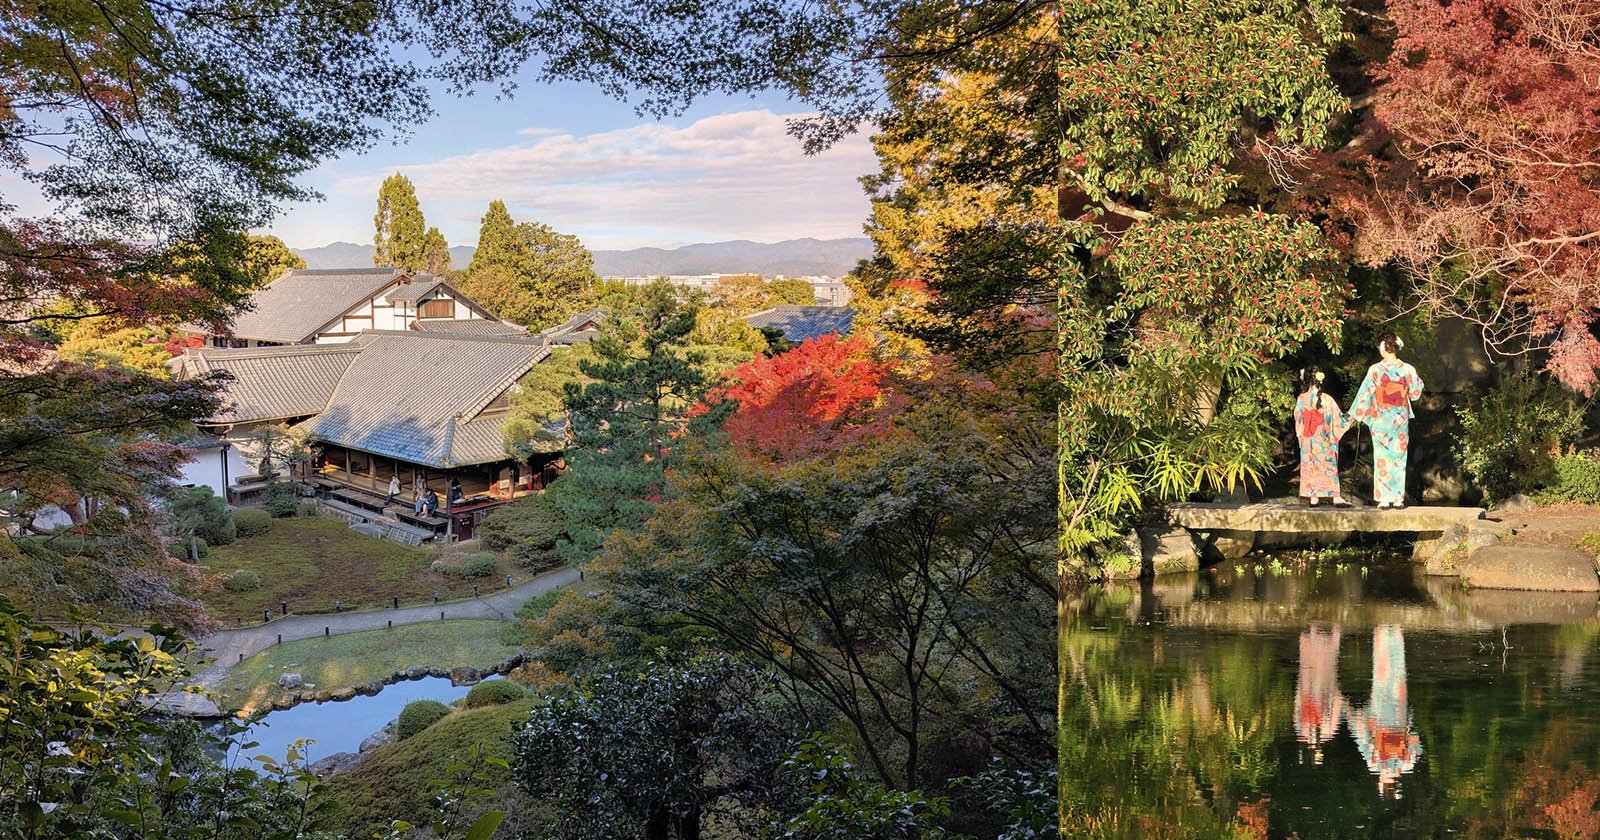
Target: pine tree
[(400, 240), (435, 252)]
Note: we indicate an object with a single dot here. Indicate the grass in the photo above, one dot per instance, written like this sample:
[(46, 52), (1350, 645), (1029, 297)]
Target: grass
[(1589, 542), (355, 659), (394, 781), (311, 562)]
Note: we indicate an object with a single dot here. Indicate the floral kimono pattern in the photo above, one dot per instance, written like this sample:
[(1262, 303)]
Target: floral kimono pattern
[(1383, 729), (1384, 405), (1319, 705), (1319, 424)]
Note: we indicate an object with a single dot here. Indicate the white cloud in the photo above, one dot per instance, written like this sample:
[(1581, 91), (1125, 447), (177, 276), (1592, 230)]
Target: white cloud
[(731, 176)]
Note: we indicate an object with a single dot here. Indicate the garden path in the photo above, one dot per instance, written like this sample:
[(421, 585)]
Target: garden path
[(225, 647)]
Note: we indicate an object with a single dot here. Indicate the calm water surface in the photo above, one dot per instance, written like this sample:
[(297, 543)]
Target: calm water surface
[(1333, 700), (342, 726)]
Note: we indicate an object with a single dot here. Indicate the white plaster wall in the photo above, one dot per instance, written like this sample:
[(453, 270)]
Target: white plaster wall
[(204, 469)]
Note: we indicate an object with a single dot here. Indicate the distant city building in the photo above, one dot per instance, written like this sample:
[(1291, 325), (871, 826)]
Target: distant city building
[(830, 291)]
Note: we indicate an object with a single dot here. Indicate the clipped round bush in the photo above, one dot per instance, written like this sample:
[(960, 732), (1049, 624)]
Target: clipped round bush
[(417, 716), (242, 580), (252, 523), (471, 566), (281, 500), (494, 693), (308, 507)]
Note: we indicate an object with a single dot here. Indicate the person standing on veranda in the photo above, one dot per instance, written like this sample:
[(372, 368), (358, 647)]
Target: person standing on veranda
[(1319, 424), (1384, 405)]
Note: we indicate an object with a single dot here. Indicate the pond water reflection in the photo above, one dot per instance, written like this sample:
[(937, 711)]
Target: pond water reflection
[(1336, 701)]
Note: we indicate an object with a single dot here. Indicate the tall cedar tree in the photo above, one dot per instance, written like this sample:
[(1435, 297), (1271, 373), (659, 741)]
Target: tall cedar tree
[(529, 273), (400, 238)]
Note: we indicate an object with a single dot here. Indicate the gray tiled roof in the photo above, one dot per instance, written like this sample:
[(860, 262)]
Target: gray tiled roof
[(271, 383), (564, 332), (476, 326), (416, 396), (419, 286), (293, 307), (800, 323)]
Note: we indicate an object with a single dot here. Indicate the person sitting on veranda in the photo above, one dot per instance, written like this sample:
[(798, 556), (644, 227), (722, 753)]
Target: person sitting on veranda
[(430, 502), (456, 496), (394, 490)]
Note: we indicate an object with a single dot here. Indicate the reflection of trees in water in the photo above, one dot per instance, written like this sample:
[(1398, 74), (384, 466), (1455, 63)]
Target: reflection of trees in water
[(1180, 732)]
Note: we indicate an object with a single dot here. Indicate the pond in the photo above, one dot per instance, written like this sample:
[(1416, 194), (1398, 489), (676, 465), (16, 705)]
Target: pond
[(341, 726), (1328, 701)]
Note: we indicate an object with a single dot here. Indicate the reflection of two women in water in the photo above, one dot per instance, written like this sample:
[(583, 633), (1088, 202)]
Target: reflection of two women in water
[(1382, 729)]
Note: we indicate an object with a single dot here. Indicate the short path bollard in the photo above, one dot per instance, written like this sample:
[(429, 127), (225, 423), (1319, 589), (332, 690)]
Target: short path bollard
[(508, 580), (280, 638), (474, 590), (241, 657), (266, 616), (326, 633), (336, 605), (580, 574), (391, 624), (396, 601), (441, 615), (284, 605), (436, 597)]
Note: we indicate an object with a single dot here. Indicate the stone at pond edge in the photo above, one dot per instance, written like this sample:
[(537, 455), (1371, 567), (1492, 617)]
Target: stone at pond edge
[(290, 681), (377, 739), (343, 694), (371, 688), (1227, 545), (416, 672), (463, 675), (336, 763), (1159, 552), (1530, 567), (1441, 553)]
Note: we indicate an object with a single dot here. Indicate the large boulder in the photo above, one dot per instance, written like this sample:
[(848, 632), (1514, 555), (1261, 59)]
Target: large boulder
[(1440, 553), (290, 681), (1519, 503), (336, 763), (1228, 545), (1545, 569), (464, 675)]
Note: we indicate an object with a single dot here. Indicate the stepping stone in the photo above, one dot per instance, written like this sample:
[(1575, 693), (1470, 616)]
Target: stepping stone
[(1530, 567)]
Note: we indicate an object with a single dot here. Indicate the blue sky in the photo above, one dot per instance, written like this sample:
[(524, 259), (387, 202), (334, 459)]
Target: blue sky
[(568, 156)]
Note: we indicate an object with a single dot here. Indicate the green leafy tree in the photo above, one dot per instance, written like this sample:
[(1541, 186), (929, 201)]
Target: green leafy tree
[(266, 258), (790, 291), (400, 239), (529, 273), (652, 752), (435, 252)]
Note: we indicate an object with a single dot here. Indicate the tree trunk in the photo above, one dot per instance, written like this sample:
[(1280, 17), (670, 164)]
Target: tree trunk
[(659, 825)]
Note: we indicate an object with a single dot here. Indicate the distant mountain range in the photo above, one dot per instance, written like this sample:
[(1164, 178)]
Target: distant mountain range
[(794, 257)]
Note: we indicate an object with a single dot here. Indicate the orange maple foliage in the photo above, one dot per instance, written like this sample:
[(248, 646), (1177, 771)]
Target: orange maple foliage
[(818, 398)]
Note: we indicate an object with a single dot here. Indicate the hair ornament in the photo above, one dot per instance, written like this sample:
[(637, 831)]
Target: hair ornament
[(1320, 377)]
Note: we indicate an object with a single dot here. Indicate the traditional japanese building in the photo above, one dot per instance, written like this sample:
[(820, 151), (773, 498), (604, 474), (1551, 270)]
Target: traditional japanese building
[(424, 406), (335, 305), (800, 323)]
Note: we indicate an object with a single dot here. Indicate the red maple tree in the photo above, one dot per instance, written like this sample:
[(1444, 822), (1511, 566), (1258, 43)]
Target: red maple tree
[(818, 397), (1493, 198)]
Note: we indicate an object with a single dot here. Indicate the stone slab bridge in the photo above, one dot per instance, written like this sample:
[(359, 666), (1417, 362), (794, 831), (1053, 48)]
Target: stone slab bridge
[(1289, 516)]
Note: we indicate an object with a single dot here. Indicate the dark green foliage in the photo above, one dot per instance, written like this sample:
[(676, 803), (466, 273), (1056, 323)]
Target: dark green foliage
[(252, 523), (840, 803), (399, 239), (470, 566), (203, 514), (200, 548), (117, 773), (242, 580), (280, 500), (1510, 434), (650, 751), (528, 529), (1577, 479), (494, 693), (417, 716)]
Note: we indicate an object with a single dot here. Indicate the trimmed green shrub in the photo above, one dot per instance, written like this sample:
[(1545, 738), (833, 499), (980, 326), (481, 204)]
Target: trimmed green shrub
[(471, 566), (528, 529), (1577, 479), (252, 523), (280, 500), (417, 716), (308, 508), (494, 693), (242, 580), (1511, 433)]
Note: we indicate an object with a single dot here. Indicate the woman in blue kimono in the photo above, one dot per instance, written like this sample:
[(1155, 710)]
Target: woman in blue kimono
[(1384, 405)]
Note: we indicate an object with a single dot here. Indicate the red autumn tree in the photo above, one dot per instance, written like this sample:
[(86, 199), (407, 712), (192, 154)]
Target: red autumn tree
[(818, 397), (1493, 199)]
